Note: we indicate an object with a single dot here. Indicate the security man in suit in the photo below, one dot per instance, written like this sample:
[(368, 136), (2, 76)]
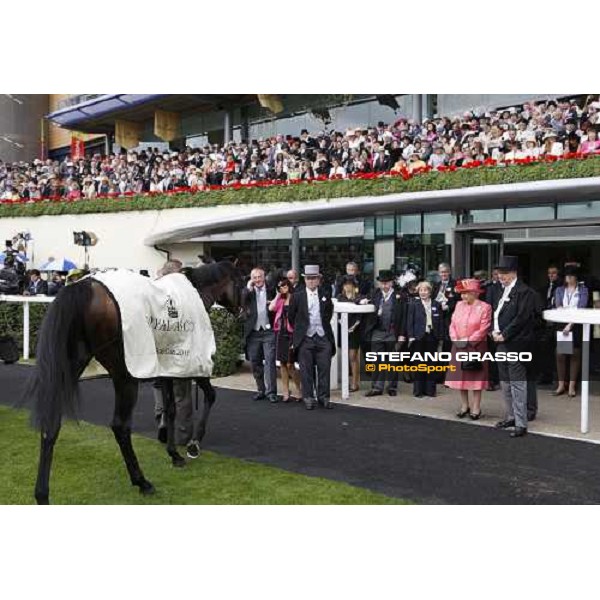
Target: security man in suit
[(259, 338), (513, 331), (310, 314), (384, 329), (547, 340), (444, 292)]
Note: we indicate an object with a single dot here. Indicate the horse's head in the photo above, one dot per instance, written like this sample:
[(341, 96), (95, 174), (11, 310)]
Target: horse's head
[(220, 283)]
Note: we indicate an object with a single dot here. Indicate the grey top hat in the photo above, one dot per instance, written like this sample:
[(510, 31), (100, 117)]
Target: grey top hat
[(311, 271)]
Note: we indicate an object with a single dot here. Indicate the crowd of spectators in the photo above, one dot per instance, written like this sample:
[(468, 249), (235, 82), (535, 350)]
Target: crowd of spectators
[(531, 131)]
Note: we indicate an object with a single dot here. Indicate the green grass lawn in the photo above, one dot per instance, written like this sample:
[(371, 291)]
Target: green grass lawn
[(88, 469)]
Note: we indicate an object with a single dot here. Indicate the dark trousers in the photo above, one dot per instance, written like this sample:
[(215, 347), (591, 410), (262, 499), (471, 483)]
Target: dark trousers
[(260, 346), (382, 342), (546, 354), (315, 352), (424, 383)]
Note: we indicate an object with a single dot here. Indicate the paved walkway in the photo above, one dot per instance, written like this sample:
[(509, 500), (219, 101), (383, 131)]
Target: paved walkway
[(405, 456), (558, 416)]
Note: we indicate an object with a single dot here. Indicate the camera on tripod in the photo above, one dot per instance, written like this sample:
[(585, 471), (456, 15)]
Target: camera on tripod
[(85, 238)]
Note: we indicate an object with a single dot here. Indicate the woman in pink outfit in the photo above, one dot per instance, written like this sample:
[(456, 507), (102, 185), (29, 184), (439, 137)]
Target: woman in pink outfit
[(468, 331)]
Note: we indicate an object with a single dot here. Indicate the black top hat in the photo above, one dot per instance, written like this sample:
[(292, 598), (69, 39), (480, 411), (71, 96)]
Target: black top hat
[(386, 275), (507, 263)]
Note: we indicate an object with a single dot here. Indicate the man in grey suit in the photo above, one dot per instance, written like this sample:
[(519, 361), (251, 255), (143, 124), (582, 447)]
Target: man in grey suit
[(514, 306), (310, 313), (259, 337)]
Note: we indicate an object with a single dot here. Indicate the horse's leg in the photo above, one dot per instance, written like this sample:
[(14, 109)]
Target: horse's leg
[(193, 448), (169, 408), (48, 436), (126, 389)]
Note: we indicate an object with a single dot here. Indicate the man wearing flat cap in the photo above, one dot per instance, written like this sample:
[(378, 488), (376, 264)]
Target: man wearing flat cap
[(384, 329), (514, 316), (310, 313)]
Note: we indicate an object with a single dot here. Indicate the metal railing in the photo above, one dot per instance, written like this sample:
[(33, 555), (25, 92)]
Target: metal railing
[(26, 301)]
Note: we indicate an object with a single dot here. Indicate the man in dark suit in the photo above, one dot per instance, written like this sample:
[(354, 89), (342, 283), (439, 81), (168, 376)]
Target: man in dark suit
[(513, 331), (384, 329), (259, 337), (547, 341), (365, 286), (294, 279), (444, 292), (310, 313), (37, 286)]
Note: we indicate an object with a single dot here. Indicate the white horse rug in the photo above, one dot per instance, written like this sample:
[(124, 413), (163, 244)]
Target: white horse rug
[(166, 329)]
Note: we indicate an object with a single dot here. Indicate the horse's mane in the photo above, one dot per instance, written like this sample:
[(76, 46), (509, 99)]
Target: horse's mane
[(207, 275)]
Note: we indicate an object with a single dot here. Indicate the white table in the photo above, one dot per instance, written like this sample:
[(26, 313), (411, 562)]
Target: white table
[(26, 301), (344, 309), (585, 317)]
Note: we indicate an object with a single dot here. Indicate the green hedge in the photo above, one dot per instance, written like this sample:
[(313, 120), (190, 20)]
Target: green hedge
[(462, 178), (226, 327)]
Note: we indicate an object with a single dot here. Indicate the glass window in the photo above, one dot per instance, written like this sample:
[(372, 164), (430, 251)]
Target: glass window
[(438, 222), (490, 215), (579, 210), (408, 224), (530, 213), (369, 229), (384, 226)]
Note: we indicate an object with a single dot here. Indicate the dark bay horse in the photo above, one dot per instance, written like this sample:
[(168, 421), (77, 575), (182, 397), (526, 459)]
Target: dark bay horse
[(84, 323)]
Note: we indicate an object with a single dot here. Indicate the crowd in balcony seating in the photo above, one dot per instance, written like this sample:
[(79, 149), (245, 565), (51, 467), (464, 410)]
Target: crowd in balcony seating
[(530, 131)]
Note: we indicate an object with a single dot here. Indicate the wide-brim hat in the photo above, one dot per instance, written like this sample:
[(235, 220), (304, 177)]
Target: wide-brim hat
[(507, 263), (386, 275), (468, 285), (571, 270), (349, 279), (550, 134), (311, 271)]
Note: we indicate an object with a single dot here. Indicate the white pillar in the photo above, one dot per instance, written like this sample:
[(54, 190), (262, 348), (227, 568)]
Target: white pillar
[(26, 330), (585, 380), (333, 373), (344, 358), (227, 127), (417, 108)]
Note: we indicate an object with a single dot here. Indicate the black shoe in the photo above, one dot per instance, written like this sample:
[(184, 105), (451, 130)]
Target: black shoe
[(309, 403), (326, 404), (519, 432), (272, 398), (372, 393), (505, 424), (392, 393), (475, 416), (531, 416), (259, 396), (418, 395), (461, 414)]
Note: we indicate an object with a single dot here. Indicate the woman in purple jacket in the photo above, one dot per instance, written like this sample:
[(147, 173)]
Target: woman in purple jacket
[(572, 294)]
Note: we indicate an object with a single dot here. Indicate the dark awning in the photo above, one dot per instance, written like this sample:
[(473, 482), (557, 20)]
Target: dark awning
[(99, 114)]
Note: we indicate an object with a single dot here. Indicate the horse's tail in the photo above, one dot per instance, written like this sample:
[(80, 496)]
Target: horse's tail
[(60, 349)]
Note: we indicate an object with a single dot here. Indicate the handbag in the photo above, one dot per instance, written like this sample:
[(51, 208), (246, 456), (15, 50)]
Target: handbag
[(471, 365)]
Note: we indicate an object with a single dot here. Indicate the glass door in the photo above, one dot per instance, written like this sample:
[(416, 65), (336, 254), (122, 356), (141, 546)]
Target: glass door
[(485, 250)]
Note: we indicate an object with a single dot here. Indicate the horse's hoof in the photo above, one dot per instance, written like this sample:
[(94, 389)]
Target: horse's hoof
[(162, 435), (193, 449), (147, 488), (178, 461)]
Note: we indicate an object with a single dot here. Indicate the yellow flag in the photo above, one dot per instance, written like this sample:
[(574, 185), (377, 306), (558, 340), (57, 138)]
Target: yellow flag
[(127, 133), (167, 125), (271, 101)]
